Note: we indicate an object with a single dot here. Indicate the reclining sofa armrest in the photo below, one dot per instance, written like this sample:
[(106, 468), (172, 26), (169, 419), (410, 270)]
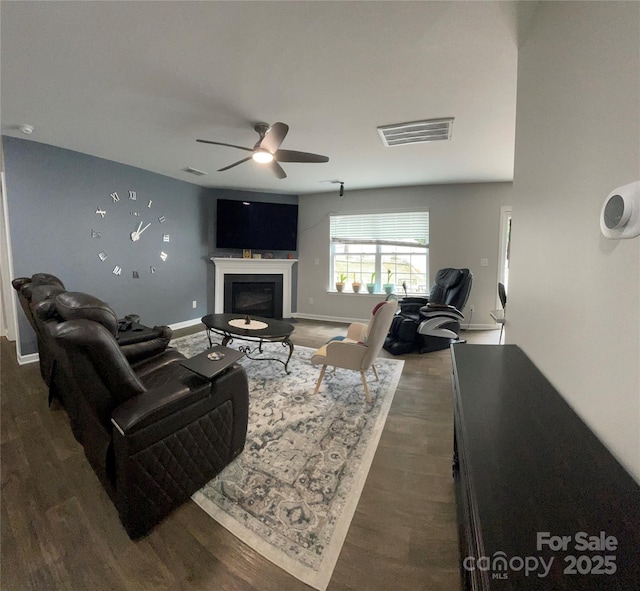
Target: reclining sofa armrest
[(138, 333), (158, 403), (137, 347), (168, 443), (155, 404)]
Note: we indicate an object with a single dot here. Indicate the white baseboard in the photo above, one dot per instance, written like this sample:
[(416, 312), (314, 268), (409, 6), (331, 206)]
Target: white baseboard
[(185, 324), (350, 320), (30, 358), (327, 318)]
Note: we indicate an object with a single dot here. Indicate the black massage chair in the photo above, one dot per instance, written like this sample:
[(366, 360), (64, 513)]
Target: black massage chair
[(432, 323)]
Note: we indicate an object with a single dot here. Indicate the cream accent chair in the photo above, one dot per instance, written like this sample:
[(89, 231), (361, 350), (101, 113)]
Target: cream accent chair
[(359, 349)]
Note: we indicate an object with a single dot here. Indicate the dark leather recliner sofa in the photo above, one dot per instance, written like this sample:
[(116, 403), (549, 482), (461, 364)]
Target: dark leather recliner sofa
[(137, 342), (153, 431), (44, 285)]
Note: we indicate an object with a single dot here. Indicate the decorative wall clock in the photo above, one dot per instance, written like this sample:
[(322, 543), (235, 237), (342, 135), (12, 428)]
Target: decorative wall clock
[(130, 235)]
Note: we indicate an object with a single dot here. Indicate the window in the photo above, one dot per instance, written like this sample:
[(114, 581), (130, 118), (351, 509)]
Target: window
[(381, 248)]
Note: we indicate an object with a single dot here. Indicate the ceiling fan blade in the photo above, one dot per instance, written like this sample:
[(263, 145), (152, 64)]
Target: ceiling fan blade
[(228, 145), (293, 156), (274, 137), (234, 164), (277, 170)]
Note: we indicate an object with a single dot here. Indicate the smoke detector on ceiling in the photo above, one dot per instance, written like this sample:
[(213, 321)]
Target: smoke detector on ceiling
[(416, 132), (26, 128)]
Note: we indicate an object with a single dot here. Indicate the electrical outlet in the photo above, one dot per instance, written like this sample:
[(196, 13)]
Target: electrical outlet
[(194, 304), (317, 261), (471, 308), (484, 262), (311, 300)]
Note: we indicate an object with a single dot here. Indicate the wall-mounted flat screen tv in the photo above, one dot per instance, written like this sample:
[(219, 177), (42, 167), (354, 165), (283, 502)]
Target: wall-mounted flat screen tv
[(257, 226)]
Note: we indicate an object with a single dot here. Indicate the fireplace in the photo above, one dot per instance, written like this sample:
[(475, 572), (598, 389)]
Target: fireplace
[(255, 295), (258, 271)]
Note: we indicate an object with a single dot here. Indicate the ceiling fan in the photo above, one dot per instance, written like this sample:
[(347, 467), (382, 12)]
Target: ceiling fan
[(267, 149)]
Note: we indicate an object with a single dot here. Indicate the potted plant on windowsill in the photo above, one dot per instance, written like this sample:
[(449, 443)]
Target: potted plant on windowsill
[(340, 282), (388, 286), (371, 286), (356, 285)]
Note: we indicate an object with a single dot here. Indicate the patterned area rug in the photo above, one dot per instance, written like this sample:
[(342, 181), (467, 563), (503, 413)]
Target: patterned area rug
[(293, 491)]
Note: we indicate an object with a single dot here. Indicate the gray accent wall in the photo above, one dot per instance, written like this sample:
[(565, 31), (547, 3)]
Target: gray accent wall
[(52, 198), (464, 225), (574, 297)]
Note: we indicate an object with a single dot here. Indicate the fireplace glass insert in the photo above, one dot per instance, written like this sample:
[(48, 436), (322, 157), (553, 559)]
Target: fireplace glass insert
[(253, 295)]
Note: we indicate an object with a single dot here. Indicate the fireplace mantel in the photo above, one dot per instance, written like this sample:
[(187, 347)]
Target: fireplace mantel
[(230, 266)]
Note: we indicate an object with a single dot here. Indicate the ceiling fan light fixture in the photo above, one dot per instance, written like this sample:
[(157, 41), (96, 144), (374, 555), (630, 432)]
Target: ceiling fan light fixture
[(262, 156), (267, 150)]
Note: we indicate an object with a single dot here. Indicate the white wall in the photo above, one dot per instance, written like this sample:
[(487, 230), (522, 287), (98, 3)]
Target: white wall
[(574, 295), (7, 302), (464, 227)]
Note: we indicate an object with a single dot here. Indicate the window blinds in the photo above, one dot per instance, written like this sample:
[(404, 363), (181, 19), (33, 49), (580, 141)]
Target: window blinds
[(409, 228)]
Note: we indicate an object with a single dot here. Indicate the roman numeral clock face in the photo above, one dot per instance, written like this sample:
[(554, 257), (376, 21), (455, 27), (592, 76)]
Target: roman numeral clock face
[(130, 235)]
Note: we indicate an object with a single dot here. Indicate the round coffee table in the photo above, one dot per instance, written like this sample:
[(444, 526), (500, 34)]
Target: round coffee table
[(257, 330)]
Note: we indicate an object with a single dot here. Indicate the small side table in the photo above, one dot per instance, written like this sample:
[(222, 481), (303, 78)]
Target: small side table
[(213, 361)]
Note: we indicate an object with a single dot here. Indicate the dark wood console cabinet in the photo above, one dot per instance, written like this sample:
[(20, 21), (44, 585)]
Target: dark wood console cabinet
[(542, 504)]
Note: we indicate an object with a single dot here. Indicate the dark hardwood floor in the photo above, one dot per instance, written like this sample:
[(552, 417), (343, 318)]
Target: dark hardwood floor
[(60, 531)]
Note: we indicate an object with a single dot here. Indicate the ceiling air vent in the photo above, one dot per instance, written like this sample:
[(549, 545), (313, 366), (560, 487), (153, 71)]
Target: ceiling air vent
[(417, 132), (194, 171)]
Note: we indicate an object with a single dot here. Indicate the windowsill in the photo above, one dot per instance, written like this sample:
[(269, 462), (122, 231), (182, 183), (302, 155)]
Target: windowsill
[(353, 293), (377, 293), (361, 293)]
